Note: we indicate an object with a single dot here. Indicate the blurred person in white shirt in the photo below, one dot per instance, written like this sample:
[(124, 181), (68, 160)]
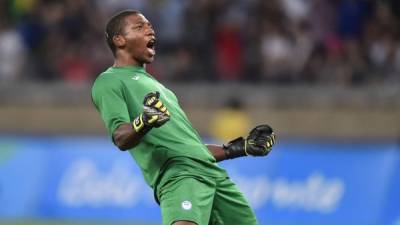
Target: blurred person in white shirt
[(12, 53)]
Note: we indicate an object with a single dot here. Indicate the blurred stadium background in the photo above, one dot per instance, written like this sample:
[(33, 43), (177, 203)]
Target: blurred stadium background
[(324, 73)]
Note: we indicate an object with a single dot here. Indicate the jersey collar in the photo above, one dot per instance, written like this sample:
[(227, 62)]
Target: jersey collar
[(136, 68)]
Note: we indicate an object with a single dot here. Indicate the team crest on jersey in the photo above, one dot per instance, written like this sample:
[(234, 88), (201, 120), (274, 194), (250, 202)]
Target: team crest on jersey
[(136, 77), (186, 205)]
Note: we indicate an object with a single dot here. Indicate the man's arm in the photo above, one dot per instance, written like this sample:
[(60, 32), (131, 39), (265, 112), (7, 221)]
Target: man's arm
[(155, 114), (125, 137), (259, 142), (217, 151)]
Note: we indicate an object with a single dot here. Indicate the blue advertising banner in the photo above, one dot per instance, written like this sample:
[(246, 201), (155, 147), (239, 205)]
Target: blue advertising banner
[(301, 182), (320, 183), (92, 179), (22, 176)]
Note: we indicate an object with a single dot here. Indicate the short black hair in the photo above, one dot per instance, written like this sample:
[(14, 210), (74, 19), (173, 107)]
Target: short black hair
[(114, 27)]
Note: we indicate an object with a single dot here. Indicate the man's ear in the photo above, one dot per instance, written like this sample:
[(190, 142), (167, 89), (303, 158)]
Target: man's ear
[(119, 40)]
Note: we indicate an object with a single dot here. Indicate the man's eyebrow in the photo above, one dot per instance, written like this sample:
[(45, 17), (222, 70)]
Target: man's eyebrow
[(139, 23)]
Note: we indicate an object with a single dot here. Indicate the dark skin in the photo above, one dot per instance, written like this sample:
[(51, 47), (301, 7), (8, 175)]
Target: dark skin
[(132, 50), (126, 138), (184, 223)]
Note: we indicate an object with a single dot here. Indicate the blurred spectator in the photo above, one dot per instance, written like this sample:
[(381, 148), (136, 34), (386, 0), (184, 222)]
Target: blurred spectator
[(229, 48), (20, 8), (296, 10), (356, 63), (276, 49), (167, 18), (75, 23), (113, 6), (322, 19), (351, 17), (74, 65), (12, 53), (302, 48), (380, 38), (336, 42), (395, 76)]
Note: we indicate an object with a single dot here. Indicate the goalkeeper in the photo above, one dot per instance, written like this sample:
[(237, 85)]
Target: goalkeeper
[(144, 117)]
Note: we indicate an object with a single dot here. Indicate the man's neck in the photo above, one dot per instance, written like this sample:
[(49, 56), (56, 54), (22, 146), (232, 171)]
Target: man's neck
[(122, 60)]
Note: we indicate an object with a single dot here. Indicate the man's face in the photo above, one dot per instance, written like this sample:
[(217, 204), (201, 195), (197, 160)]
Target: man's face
[(140, 38)]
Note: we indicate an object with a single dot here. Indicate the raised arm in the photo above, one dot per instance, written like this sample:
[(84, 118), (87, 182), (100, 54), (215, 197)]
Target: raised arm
[(154, 114), (125, 137), (217, 151), (259, 142)]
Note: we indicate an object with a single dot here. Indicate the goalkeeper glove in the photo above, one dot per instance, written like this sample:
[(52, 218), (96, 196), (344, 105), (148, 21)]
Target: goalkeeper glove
[(154, 114), (259, 142)]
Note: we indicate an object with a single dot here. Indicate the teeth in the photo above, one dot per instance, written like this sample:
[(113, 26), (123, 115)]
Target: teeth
[(152, 51)]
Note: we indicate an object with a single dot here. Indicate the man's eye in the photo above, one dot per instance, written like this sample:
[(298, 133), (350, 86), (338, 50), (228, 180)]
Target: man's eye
[(139, 27)]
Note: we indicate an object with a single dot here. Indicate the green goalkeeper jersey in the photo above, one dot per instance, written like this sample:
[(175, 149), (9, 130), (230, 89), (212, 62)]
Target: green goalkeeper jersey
[(170, 150)]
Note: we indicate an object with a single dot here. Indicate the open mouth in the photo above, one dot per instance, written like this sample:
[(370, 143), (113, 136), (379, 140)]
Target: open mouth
[(151, 46)]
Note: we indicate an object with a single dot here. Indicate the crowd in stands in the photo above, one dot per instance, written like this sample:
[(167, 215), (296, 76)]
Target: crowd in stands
[(338, 42)]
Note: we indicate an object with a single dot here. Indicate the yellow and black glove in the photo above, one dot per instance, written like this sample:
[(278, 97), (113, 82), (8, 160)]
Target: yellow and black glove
[(259, 142), (154, 114)]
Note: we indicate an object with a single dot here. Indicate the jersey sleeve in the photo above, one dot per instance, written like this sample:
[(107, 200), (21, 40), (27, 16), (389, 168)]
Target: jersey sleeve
[(108, 97)]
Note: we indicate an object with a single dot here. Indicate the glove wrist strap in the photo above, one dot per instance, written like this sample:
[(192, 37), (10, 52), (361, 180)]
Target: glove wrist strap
[(235, 148), (139, 125)]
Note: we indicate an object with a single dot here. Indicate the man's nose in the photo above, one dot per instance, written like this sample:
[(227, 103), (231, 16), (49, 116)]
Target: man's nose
[(150, 31)]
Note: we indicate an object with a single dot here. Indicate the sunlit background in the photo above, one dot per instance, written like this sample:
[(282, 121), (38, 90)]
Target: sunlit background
[(325, 74)]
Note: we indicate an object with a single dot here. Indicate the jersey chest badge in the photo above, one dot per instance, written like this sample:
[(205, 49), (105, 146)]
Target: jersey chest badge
[(186, 205)]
